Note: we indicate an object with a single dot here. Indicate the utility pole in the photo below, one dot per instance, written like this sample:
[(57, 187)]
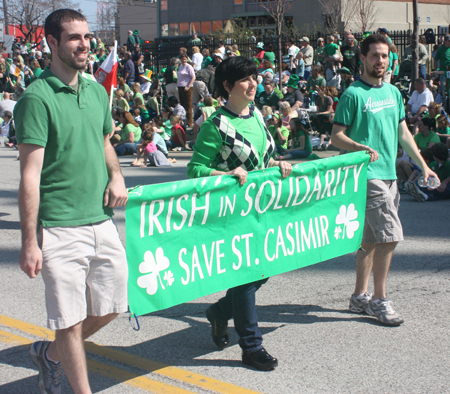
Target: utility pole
[(415, 45), (5, 12)]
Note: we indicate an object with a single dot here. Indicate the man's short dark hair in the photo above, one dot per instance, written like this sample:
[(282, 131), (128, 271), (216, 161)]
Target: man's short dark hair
[(231, 70), (292, 40), (440, 151), (421, 81), (8, 114), (53, 22), (172, 101), (447, 37), (372, 39)]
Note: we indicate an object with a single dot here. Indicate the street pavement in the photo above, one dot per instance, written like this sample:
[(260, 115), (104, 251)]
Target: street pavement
[(321, 347)]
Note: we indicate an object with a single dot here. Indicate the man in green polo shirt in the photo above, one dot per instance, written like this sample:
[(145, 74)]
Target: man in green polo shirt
[(371, 117), (443, 57), (70, 181), (269, 96)]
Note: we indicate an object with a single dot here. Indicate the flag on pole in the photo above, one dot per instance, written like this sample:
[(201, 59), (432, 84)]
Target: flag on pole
[(14, 70), (107, 72)]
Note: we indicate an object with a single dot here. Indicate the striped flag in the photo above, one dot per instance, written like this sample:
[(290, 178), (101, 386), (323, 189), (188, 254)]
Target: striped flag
[(14, 70), (107, 72)]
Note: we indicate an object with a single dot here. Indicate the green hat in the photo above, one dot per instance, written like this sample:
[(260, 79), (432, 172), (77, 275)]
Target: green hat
[(256, 61), (136, 32), (365, 35), (276, 116), (260, 45), (344, 70), (293, 81)]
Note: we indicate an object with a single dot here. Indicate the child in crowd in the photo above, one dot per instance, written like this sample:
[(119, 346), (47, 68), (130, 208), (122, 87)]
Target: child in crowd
[(178, 140), (137, 115), (333, 93), (443, 130), (286, 111), (407, 170), (121, 101), (139, 104), (301, 143), (279, 133), (266, 112), (167, 113), (206, 111), (157, 123), (325, 138)]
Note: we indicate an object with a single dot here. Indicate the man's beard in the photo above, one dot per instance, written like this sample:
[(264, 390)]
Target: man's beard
[(67, 58), (377, 74)]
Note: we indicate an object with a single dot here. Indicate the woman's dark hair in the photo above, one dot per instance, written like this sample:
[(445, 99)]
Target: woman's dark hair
[(167, 109), (158, 120), (298, 126), (172, 101), (269, 48), (53, 22), (231, 70), (440, 151), (372, 39), (128, 117), (430, 123)]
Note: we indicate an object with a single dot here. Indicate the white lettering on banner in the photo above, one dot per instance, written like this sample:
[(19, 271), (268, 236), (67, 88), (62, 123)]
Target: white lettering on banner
[(294, 192), (312, 235), (377, 106)]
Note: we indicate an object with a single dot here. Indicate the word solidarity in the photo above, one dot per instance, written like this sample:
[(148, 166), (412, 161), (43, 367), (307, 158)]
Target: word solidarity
[(196, 237)]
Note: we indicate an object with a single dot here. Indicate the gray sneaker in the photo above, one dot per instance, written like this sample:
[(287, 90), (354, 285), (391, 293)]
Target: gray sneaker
[(382, 309), (359, 304), (409, 188), (49, 373), (418, 194)]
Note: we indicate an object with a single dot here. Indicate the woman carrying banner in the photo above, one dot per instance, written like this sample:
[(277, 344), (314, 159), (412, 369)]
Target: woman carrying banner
[(233, 141)]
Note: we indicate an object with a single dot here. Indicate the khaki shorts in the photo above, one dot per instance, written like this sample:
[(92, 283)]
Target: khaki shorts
[(382, 224), (85, 273)]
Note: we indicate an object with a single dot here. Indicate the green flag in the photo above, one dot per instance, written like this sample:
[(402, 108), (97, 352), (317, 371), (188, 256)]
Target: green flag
[(192, 238)]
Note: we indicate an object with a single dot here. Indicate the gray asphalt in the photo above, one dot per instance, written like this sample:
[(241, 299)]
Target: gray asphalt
[(303, 315)]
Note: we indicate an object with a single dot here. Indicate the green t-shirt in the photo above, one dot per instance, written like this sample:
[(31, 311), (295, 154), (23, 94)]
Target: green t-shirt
[(167, 130), (443, 171), (311, 82), (130, 128), (206, 61), (307, 141), (140, 96), (208, 111), (331, 49), (372, 115), (443, 55), (284, 133), (270, 99), (443, 131), (422, 142), (209, 142), (71, 127)]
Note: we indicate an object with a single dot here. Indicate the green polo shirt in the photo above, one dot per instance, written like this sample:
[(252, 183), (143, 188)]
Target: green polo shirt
[(71, 127)]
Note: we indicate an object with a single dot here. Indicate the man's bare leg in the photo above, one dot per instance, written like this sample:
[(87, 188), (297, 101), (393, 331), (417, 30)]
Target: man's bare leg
[(382, 258), (364, 263), (68, 348)]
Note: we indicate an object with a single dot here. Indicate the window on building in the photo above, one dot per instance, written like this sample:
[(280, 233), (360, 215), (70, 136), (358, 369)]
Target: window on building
[(195, 28), (184, 29), (237, 1), (206, 27), (217, 25), (164, 30), (163, 5), (173, 29)]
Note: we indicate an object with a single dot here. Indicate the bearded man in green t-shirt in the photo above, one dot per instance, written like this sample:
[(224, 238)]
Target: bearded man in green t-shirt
[(371, 117), (70, 181)]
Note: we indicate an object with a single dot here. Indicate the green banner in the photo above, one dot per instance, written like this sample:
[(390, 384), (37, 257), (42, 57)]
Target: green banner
[(192, 238)]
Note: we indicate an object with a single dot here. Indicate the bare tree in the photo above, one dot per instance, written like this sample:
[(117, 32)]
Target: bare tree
[(277, 10), (29, 15), (337, 14), (365, 14)]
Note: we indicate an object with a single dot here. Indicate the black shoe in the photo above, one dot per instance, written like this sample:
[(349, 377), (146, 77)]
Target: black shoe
[(219, 331), (260, 360)]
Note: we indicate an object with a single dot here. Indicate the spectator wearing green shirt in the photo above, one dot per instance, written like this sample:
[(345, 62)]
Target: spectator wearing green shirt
[(207, 60), (316, 78), (269, 96), (131, 134), (426, 138), (443, 57), (269, 54), (442, 170), (443, 129)]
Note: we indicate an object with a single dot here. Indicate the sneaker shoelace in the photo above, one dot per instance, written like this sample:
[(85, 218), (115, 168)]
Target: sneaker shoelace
[(54, 373), (387, 304)]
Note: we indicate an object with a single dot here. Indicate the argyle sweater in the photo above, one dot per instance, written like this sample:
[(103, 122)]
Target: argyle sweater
[(227, 141)]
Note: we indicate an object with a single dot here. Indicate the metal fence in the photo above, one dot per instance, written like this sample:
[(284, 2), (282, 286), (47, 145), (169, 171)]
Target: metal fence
[(162, 50)]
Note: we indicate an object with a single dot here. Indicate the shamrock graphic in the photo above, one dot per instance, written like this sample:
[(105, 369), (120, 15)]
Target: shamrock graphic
[(337, 232), (152, 266), (347, 217), (168, 277)]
